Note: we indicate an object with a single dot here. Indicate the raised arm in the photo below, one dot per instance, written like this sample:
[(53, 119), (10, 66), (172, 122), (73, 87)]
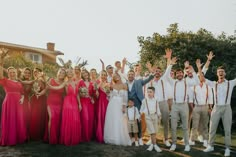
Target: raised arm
[(210, 56), (103, 65), (195, 77), (168, 70), (124, 61), (168, 56), (3, 53), (199, 66)]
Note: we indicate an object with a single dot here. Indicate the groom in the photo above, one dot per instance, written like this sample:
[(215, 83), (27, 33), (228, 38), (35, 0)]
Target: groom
[(136, 92)]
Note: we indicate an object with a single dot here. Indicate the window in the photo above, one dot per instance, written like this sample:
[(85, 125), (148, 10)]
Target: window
[(37, 58)]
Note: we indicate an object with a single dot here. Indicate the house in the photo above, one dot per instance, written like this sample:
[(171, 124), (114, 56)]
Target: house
[(37, 55)]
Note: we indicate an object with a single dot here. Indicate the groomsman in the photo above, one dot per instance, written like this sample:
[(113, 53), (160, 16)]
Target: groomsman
[(135, 91), (109, 70), (160, 83), (180, 106), (201, 96), (222, 90)]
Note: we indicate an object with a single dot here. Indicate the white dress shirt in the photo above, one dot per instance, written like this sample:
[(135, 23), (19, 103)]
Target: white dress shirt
[(130, 85), (179, 92), (153, 106), (109, 79), (220, 96), (131, 111), (161, 92), (202, 95)]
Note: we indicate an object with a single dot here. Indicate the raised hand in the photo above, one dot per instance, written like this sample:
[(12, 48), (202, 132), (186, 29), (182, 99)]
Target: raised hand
[(124, 61), (168, 53), (186, 64), (173, 61), (198, 63), (102, 61), (210, 56)]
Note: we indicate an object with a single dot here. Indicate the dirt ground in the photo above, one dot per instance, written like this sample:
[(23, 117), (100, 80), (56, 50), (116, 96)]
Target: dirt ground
[(93, 149)]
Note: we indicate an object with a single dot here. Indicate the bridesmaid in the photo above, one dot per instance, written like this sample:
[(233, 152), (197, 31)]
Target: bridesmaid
[(38, 107), (27, 91), (70, 131), (77, 72), (104, 90), (86, 90), (93, 75), (95, 93), (13, 127), (54, 107)]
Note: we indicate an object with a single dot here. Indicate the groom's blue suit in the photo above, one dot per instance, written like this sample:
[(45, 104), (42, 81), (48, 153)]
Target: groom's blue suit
[(137, 91), (137, 94)]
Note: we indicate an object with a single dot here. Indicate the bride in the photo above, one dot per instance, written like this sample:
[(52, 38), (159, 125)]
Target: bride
[(116, 129)]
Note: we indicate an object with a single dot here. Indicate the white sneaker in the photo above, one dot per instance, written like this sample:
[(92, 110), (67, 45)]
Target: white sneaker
[(140, 141), (208, 149), (157, 148), (149, 142), (136, 143), (227, 152), (133, 140), (173, 147), (200, 138), (150, 148), (130, 143), (187, 148), (191, 143), (167, 143), (205, 143)]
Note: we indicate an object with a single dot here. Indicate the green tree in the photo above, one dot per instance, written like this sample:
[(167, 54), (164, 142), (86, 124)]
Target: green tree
[(190, 46)]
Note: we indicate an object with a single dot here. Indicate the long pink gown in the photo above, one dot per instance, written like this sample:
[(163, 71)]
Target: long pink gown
[(70, 124), (13, 127), (95, 106), (38, 115), (101, 114), (54, 102), (87, 113), (26, 106)]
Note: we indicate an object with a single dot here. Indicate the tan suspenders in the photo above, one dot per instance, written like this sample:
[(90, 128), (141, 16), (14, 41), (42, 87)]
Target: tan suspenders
[(163, 89), (195, 94), (185, 90), (227, 93), (148, 107), (134, 113)]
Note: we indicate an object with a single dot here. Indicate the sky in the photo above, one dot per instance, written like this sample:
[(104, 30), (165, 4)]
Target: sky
[(107, 29)]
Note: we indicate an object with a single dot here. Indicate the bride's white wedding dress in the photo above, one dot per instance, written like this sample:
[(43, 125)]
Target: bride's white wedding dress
[(116, 127)]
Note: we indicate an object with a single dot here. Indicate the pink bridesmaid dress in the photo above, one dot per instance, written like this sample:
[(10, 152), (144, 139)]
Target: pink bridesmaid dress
[(87, 112), (70, 124), (54, 103), (13, 127), (101, 114)]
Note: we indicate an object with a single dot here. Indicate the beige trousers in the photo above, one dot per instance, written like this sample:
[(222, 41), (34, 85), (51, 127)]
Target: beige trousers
[(217, 113), (179, 111), (200, 116), (164, 108)]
